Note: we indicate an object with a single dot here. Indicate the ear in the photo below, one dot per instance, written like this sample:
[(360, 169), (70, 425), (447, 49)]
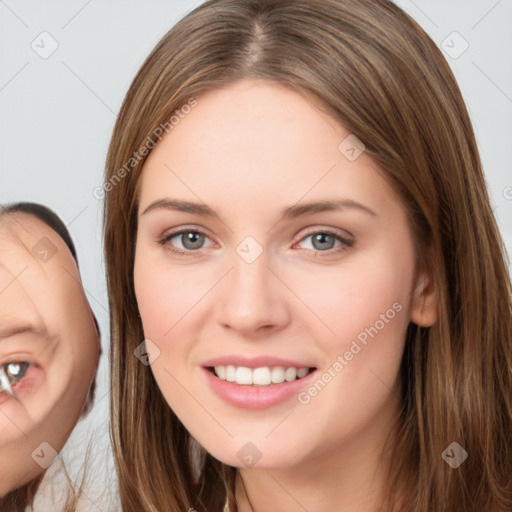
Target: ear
[(424, 301)]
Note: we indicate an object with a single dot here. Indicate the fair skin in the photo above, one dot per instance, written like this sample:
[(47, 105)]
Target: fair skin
[(247, 151), (45, 321)]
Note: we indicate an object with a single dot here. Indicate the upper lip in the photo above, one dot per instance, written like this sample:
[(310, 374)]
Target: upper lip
[(255, 362)]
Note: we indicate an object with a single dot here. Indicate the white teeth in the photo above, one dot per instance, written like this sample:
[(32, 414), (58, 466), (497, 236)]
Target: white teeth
[(302, 372), (243, 375), (263, 376), (290, 374), (278, 374), (230, 373), (221, 372)]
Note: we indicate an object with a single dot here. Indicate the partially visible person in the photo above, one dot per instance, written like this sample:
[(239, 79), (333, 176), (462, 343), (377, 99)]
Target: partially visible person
[(49, 348)]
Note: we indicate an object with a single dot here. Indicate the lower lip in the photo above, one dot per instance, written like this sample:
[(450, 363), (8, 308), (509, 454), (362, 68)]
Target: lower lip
[(256, 397)]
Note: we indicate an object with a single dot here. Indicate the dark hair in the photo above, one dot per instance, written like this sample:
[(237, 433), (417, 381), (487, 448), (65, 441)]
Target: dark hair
[(22, 497), (49, 217)]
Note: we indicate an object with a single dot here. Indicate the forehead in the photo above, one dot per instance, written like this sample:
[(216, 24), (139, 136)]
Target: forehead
[(252, 140), (38, 274), (27, 240), (256, 123)]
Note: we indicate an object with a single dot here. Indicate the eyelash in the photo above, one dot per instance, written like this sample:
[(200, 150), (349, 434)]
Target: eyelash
[(345, 243)]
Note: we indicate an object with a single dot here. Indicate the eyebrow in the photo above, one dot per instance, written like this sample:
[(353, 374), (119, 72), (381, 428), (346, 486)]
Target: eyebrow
[(15, 330), (290, 212)]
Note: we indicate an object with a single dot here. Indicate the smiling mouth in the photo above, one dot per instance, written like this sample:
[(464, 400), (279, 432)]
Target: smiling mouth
[(263, 376)]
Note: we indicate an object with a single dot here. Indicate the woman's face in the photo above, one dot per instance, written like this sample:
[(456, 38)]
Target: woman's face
[(48, 347), (296, 255)]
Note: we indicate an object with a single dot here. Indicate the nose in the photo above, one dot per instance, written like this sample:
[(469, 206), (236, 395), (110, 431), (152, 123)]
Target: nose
[(252, 300)]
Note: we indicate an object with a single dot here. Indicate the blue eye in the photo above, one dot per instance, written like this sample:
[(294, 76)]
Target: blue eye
[(191, 240), (324, 242)]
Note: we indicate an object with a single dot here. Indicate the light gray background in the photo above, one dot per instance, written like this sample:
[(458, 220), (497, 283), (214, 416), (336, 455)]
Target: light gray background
[(58, 112)]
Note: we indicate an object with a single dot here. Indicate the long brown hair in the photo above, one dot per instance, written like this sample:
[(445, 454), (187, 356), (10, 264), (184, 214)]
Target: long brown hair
[(378, 73)]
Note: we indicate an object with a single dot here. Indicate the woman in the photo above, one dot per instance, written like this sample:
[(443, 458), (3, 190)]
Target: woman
[(49, 349), (302, 256)]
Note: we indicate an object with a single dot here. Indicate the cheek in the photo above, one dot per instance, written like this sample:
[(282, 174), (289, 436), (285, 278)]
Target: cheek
[(156, 297), (165, 292), (169, 300), (361, 303), (149, 284), (355, 298)]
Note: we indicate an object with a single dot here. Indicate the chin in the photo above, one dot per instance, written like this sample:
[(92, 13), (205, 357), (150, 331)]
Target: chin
[(246, 454)]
